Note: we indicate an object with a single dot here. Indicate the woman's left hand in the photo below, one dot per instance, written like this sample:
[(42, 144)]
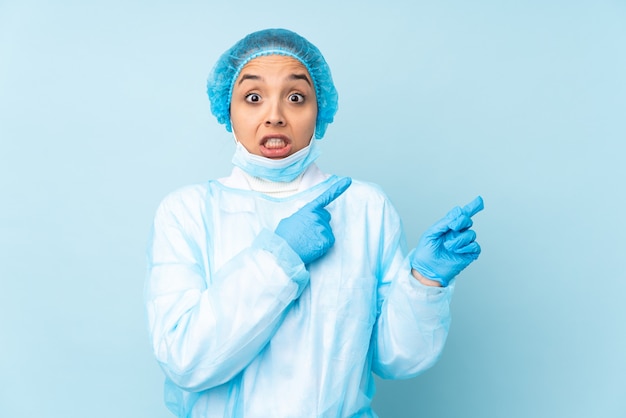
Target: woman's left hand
[(448, 246)]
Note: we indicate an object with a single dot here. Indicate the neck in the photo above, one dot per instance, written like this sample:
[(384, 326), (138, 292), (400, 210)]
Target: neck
[(273, 188)]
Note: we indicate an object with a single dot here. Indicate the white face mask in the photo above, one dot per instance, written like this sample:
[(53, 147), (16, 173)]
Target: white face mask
[(283, 169)]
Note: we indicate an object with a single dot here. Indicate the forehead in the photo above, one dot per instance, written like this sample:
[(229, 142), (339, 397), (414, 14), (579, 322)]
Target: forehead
[(273, 64)]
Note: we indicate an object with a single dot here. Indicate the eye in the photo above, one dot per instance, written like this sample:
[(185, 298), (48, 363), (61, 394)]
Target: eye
[(296, 98), (253, 98)]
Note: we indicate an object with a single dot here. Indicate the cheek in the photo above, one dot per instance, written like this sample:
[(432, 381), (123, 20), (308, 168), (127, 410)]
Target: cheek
[(239, 120), (312, 120), (308, 117)]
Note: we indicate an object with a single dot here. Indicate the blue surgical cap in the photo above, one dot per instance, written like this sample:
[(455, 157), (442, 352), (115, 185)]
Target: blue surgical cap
[(272, 42)]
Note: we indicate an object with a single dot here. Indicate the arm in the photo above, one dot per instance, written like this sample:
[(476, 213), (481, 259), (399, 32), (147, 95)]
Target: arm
[(205, 330), (422, 297), (413, 321)]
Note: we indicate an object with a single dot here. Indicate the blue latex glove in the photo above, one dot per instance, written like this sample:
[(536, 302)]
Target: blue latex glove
[(308, 230), (449, 245)]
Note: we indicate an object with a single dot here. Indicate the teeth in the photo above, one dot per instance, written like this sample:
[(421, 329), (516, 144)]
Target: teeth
[(275, 143)]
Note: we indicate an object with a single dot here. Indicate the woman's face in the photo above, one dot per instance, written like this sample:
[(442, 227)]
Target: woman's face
[(273, 109)]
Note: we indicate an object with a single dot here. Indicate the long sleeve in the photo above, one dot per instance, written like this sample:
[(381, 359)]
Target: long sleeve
[(207, 326), (413, 320)]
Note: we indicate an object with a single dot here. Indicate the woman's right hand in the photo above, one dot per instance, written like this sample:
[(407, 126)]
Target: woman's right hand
[(308, 231)]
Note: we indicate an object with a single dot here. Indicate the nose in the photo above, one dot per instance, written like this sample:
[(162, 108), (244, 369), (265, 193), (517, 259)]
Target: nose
[(275, 116)]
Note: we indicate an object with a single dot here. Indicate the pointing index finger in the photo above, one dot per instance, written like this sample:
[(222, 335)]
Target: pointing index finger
[(332, 193), (473, 207)]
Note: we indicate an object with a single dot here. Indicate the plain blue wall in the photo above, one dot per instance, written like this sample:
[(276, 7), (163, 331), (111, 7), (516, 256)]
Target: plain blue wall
[(103, 112)]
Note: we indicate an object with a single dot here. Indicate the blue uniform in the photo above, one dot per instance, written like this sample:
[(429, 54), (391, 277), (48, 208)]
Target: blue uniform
[(242, 328)]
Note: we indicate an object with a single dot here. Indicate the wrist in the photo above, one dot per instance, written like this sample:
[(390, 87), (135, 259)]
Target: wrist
[(423, 280)]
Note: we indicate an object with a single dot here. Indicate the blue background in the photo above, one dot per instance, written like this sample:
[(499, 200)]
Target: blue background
[(103, 112)]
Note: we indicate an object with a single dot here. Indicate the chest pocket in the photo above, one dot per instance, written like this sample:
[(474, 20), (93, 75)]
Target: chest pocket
[(236, 219)]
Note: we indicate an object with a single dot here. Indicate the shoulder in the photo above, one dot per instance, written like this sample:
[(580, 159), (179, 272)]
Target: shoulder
[(367, 191), (185, 200), (369, 199)]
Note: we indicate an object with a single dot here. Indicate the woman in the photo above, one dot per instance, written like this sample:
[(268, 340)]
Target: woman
[(277, 291)]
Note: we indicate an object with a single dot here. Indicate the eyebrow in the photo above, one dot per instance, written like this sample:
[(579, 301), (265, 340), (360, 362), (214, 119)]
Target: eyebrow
[(248, 77), (300, 77), (291, 77)]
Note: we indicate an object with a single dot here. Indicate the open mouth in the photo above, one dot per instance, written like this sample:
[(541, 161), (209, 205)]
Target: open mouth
[(275, 146), (275, 143)]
